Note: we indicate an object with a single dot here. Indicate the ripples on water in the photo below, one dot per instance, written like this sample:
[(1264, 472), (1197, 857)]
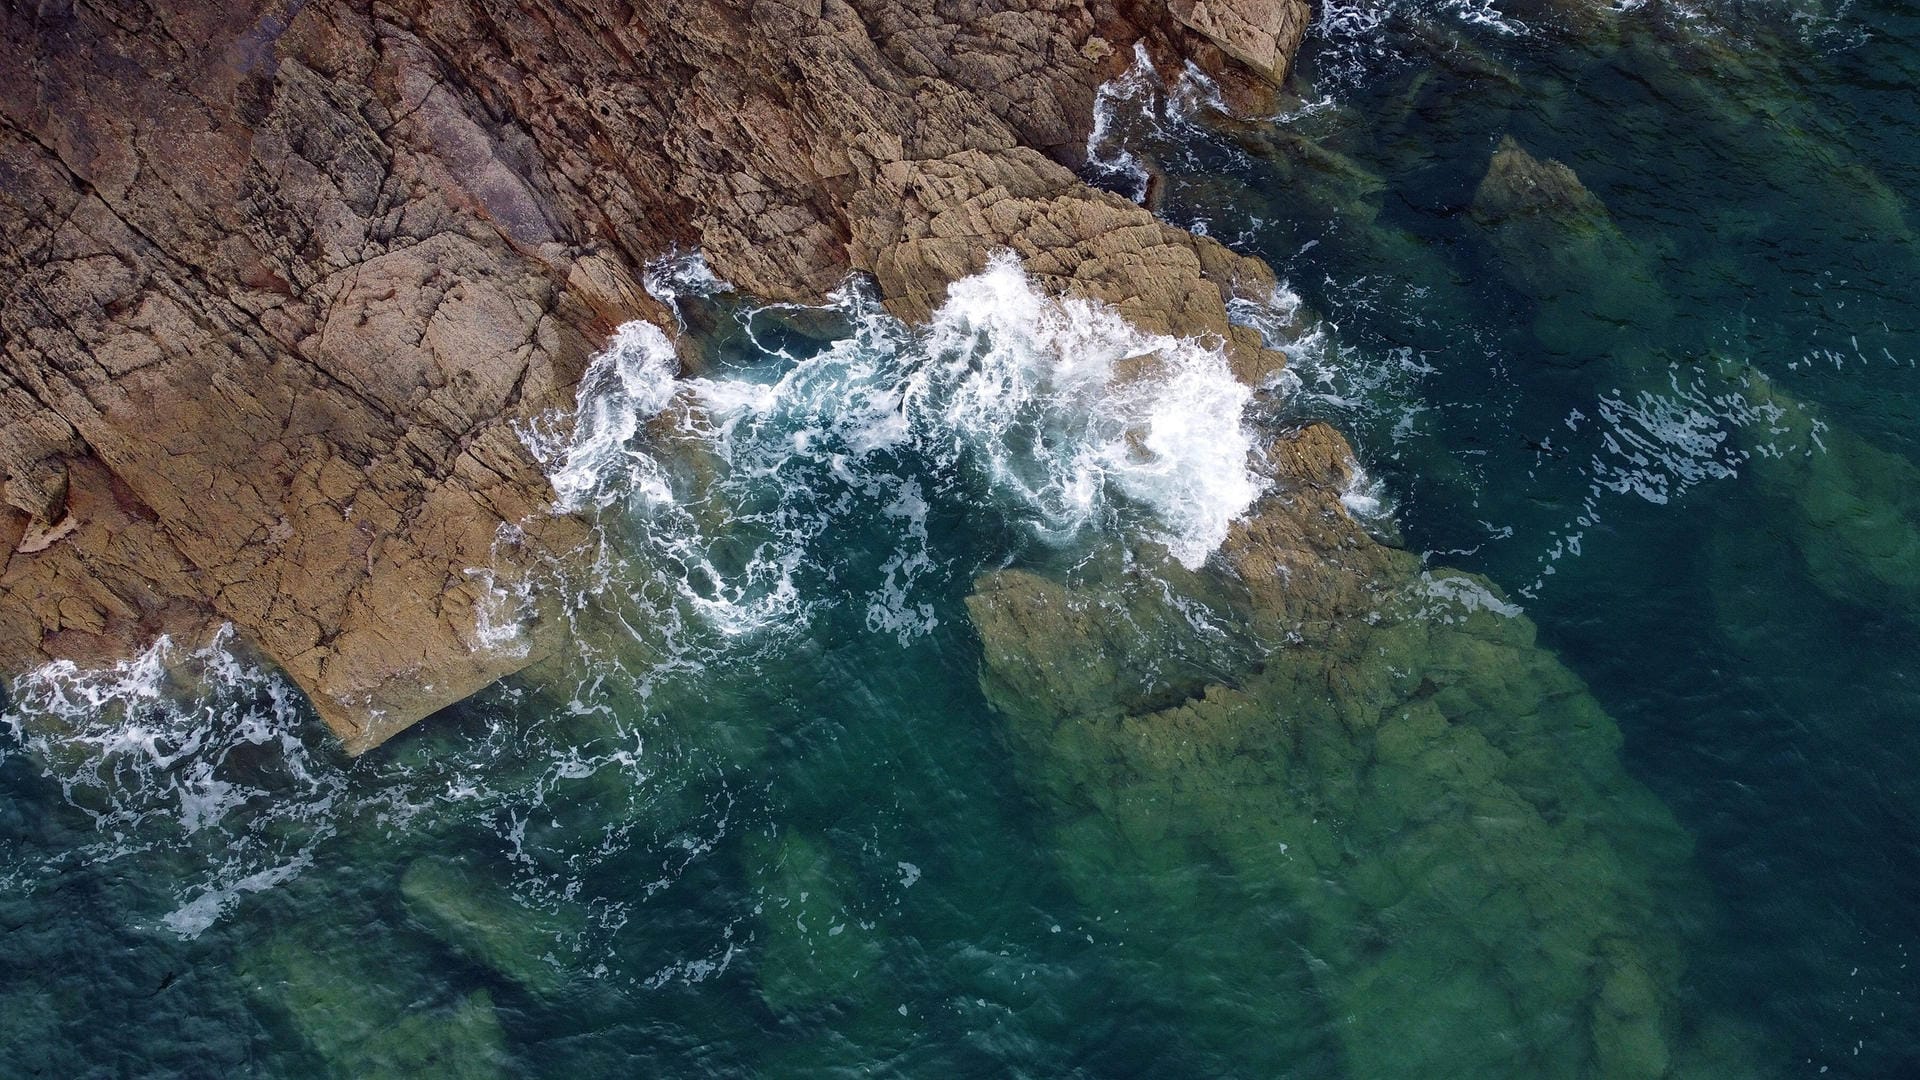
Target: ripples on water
[(757, 818)]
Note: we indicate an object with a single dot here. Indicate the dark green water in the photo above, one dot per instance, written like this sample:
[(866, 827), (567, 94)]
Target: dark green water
[(760, 818)]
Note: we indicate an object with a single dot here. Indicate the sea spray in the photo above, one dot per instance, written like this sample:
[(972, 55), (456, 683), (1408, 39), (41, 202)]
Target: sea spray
[(1071, 411), (631, 380), (1056, 411)]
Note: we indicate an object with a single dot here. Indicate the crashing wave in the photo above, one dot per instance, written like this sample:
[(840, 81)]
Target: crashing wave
[(1073, 412), (631, 380), (1068, 417)]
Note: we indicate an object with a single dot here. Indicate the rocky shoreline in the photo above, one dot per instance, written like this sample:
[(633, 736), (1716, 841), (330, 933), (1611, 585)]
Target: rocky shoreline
[(286, 289), (282, 281)]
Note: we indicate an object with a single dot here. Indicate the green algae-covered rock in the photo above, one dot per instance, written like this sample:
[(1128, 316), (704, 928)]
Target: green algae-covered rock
[(1853, 508), (813, 954), (359, 1013), (1739, 90), (1401, 838), (1595, 292), (477, 917)]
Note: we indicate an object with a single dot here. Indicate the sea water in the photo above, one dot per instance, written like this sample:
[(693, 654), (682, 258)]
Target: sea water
[(760, 816)]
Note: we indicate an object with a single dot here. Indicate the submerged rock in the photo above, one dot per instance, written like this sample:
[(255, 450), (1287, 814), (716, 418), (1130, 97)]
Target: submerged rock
[(30, 1033), (355, 1012), (812, 949), (813, 955), (478, 918), (1853, 508), (1596, 293), (1401, 803)]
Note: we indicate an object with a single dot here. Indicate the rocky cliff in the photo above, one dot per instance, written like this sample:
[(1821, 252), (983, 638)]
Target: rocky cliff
[(279, 279)]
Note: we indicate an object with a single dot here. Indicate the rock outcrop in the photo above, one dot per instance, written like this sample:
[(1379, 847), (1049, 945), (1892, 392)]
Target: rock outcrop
[(1357, 792), (281, 278)]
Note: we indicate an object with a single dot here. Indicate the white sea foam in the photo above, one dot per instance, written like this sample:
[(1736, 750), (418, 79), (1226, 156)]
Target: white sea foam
[(194, 917), (1484, 13), (1142, 107), (1365, 497), (1356, 42), (202, 776), (1458, 595), (1069, 418), (629, 382), (1325, 380), (186, 752), (893, 609), (1071, 409), (502, 609), (1132, 92), (1658, 444), (682, 274)]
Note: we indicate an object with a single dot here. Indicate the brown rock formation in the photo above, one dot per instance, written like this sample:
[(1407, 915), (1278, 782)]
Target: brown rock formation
[(278, 278)]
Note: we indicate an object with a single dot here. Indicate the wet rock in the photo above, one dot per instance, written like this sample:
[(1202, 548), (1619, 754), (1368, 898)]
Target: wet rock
[(1262, 34), (282, 279)]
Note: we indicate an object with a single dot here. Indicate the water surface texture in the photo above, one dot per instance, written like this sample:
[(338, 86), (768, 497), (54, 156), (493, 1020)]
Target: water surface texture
[(907, 720)]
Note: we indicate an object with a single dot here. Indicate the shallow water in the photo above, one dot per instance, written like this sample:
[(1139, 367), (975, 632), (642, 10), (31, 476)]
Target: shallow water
[(762, 817)]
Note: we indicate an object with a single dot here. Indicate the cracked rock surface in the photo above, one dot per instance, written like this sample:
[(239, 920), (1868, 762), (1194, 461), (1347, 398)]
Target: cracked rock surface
[(277, 280)]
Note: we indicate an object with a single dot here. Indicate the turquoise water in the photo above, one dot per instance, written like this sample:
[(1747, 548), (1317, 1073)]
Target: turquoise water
[(762, 815)]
